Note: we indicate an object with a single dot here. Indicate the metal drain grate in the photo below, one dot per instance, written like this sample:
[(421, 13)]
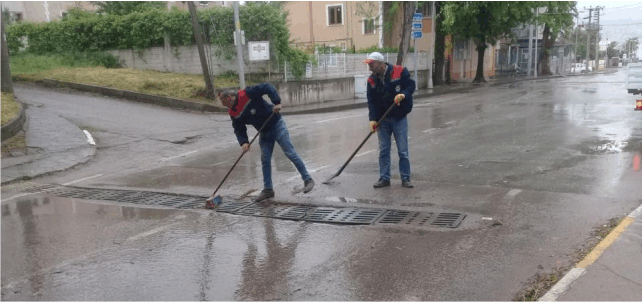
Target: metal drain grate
[(344, 215), (353, 216), (405, 217), (450, 220), (232, 206), (274, 211)]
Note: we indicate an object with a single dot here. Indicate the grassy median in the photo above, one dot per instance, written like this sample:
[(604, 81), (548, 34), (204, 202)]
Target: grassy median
[(32, 68), (10, 108)]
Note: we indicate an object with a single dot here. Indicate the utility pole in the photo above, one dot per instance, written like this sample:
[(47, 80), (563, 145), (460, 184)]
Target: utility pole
[(589, 25), (237, 32), (531, 40), (576, 44), (7, 84), (536, 58), (598, 28), (209, 89), (432, 50)]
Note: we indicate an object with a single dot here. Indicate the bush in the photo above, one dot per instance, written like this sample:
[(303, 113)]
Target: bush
[(30, 63)]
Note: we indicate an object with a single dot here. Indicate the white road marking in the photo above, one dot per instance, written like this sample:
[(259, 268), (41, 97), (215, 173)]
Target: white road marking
[(365, 152), (429, 130), (177, 156), (513, 192), (82, 179), (90, 140), (151, 232), (309, 171)]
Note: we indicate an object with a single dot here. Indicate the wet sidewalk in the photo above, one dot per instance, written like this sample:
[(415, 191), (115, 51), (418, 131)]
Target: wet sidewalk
[(614, 275)]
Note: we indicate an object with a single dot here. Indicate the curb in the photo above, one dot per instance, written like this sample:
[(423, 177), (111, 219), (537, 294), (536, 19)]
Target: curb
[(188, 105), (16, 124), (133, 96), (581, 267)]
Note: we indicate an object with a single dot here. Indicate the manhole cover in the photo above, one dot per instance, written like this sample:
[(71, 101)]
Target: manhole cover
[(232, 206), (344, 215), (450, 220)]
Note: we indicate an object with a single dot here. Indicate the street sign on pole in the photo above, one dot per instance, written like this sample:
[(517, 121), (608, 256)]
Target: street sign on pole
[(416, 34), (417, 17), (417, 25)]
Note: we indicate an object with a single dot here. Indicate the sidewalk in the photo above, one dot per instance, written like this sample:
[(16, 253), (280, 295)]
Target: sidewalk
[(614, 275), (54, 143)]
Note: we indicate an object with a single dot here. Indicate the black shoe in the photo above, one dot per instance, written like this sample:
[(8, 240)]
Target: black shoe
[(381, 183), (265, 194), (308, 185), (407, 183)]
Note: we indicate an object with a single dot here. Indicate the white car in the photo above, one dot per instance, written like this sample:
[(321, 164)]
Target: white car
[(580, 68)]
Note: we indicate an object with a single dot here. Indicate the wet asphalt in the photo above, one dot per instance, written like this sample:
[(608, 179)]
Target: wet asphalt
[(534, 165)]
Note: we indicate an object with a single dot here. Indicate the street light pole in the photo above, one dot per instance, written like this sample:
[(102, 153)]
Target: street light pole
[(237, 32)]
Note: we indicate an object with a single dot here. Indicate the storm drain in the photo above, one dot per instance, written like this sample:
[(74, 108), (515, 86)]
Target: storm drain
[(262, 209), (344, 215), (450, 220)]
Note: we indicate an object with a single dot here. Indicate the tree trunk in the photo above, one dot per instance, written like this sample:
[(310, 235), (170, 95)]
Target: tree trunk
[(7, 84), (480, 70), (548, 44), (209, 88), (439, 46), (406, 32)]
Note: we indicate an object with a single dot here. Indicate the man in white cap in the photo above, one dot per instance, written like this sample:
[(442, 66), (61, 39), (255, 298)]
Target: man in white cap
[(390, 84)]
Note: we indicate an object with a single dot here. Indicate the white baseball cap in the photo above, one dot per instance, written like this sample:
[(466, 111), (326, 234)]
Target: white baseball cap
[(374, 56)]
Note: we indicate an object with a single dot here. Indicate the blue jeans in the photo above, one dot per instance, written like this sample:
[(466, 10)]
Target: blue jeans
[(279, 134), (400, 129)]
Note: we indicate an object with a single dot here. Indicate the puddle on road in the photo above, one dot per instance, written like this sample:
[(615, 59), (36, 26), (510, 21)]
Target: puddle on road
[(58, 206)]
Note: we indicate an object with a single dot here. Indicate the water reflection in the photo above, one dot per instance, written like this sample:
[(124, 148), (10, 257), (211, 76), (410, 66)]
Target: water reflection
[(267, 278)]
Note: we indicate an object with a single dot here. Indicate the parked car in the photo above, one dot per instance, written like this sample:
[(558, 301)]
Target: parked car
[(580, 68), (633, 83)]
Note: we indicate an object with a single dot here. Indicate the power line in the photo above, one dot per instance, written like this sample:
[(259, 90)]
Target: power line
[(628, 24)]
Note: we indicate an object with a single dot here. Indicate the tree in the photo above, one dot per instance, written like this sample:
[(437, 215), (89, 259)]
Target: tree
[(440, 35), (485, 22), (7, 84), (209, 89), (611, 50), (405, 41), (558, 20), (122, 8), (631, 46)]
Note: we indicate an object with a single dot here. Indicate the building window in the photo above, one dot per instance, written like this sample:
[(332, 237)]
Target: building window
[(426, 9), (368, 26), (63, 13), (461, 49), (204, 3), (334, 14), (17, 17)]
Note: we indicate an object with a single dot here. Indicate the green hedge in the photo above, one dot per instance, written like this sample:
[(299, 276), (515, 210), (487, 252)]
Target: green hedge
[(261, 21)]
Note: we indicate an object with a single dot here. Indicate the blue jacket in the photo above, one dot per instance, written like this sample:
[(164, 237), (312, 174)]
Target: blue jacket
[(252, 109), (380, 94)]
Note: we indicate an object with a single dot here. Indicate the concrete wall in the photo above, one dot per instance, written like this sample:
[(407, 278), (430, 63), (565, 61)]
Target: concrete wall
[(316, 91), (185, 59)]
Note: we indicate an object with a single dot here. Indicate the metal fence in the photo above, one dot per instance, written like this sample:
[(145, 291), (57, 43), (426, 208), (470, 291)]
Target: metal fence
[(339, 65)]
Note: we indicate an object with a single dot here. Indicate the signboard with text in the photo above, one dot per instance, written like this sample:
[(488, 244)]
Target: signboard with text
[(259, 50)]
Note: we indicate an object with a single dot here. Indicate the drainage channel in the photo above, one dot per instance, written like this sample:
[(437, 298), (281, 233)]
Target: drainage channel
[(325, 214)]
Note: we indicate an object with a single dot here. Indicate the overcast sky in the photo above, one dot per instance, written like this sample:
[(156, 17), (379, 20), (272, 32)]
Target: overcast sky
[(615, 19)]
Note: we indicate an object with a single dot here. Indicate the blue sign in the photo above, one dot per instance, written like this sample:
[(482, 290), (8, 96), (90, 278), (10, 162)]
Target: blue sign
[(417, 25), (416, 34), (417, 17)]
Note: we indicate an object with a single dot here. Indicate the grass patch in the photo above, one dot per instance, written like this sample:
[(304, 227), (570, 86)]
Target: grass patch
[(33, 68), (10, 108), (16, 143)]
